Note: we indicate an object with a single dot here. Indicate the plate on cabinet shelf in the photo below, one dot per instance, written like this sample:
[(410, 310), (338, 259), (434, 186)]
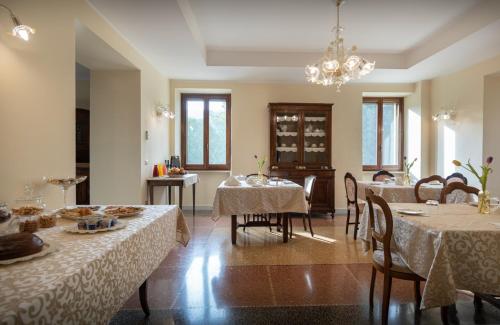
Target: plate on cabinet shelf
[(315, 119), (314, 149), (287, 149), (314, 134)]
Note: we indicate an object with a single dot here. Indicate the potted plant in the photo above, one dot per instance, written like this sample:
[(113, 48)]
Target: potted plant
[(407, 168)]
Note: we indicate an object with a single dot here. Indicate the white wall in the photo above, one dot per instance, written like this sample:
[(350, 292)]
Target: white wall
[(491, 130), (37, 95), (250, 126), (462, 137), (115, 141)]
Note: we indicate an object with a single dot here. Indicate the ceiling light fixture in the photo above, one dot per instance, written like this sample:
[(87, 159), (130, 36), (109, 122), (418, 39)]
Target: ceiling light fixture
[(338, 66), (164, 111), (20, 31)]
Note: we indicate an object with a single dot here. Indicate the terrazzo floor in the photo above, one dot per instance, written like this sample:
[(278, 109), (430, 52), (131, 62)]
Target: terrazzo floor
[(320, 280)]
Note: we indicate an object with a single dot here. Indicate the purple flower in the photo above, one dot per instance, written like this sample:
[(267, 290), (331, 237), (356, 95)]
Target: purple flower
[(489, 160)]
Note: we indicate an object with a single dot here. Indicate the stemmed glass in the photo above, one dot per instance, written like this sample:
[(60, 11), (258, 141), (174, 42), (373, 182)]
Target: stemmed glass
[(65, 184)]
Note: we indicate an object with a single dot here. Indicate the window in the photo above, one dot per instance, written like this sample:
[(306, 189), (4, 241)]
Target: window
[(206, 131), (382, 133)]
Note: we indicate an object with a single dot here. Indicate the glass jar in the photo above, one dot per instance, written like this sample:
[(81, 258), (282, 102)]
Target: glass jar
[(484, 202)]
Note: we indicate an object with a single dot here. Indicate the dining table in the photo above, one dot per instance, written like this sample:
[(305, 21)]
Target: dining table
[(180, 181), (276, 197), (89, 277), (452, 246), (393, 192)]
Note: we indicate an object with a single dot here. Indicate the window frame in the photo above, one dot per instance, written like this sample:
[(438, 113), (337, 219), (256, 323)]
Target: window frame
[(206, 141), (380, 118)]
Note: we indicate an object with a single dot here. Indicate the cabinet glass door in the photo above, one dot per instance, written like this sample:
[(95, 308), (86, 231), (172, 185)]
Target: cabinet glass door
[(315, 138), (287, 138)]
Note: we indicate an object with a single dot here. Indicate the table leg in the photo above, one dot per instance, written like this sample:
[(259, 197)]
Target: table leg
[(143, 297), (233, 229), (169, 195), (180, 197), (194, 200), (285, 227), (151, 190)]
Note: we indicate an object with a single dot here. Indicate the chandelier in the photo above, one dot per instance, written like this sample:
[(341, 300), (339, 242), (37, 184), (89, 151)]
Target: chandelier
[(338, 66)]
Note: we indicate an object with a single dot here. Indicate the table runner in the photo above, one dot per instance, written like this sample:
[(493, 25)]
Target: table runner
[(399, 193), (453, 247), (91, 275), (188, 179), (247, 199)]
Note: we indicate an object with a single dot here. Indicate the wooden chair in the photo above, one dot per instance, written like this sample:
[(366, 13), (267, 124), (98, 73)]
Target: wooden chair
[(456, 177), (424, 181), (385, 261), (351, 189), (265, 218), (457, 186), (381, 176), (309, 182)]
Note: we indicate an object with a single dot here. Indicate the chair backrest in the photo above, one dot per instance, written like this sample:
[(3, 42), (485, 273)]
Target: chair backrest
[(380, 235), (382, 175), (309, 182), (455, 188), (351, 188), (456, 177), (424, 181)]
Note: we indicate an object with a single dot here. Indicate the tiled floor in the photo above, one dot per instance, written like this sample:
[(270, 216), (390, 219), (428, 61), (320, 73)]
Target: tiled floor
[(214, 281)]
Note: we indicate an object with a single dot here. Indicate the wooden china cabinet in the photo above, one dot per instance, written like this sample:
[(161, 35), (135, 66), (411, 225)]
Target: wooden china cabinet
[(301, 138)]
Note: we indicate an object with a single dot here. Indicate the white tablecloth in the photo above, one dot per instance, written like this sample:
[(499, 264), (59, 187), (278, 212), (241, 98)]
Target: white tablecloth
[(399, 193), (246, 199), (91, 276), (452, 246)]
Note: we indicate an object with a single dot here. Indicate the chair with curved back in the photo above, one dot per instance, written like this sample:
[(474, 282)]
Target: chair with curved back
[(426, 180), (385, 261), (381, 176), (456, 177), (460, 192), (309, 182), (351, 188)]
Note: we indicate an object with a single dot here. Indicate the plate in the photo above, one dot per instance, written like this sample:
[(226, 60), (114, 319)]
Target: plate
[(115, 212), (74, 228), (410, 212), (48, 247)]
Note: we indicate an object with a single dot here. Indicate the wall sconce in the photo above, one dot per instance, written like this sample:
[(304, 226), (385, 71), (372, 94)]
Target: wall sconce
[(443, 115), (20, 31), (164, 111)]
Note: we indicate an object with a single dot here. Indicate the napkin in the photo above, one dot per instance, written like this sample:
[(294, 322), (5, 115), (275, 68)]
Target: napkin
[(232, 181)]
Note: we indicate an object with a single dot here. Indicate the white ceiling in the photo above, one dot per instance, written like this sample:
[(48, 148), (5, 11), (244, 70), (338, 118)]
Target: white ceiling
[(272, 40)]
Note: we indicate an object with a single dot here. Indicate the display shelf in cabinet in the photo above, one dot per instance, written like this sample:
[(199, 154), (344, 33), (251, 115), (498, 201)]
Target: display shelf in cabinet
[(314, 134), (286, 134), (315, 119), (287, 149), (312, 149)]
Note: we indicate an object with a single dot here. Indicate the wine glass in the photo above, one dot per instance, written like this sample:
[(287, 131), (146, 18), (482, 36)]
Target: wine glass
[(65, 184)]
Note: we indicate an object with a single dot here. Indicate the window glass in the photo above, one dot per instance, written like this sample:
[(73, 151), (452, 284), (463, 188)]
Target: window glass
[(194, 131), (390, 134), (369, 134), (217, 131)]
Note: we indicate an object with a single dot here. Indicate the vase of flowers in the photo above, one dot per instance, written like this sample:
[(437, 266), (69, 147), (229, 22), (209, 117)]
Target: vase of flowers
[(484, 195), (260, 165), (406, 171)]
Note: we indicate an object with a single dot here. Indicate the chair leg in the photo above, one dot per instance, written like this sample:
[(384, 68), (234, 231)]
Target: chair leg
[(269, 216), (290, 221), (244, 222), (418, 297), (304, 221), (356, 223), (386, 299), (372, 285), (347, 221), (478, 303), (310, 226)]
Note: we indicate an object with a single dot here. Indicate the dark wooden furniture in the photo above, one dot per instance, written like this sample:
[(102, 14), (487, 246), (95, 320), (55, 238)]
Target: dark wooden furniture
[(82, 139), (309, 191), (283, 217), (169, 182), (83, 188), (385, 261), (457, 186), (382, 175), (456, 177), (424, 181), (351, 189), (300, 145), (263, 217)]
